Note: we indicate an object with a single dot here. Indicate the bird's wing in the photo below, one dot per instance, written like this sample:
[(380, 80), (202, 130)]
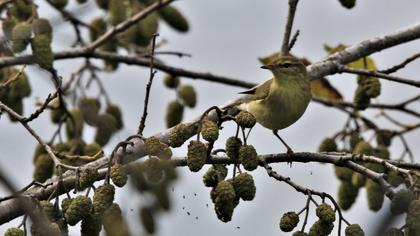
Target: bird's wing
[(260, 91)]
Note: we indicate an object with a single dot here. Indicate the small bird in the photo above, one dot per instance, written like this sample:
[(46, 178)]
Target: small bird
[(281, 101)]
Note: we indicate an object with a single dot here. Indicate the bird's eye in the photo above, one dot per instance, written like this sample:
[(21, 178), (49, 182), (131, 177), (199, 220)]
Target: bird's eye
[(287, 65)]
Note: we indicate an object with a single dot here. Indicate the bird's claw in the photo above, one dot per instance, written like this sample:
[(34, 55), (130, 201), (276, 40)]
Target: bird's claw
[(289, 154)]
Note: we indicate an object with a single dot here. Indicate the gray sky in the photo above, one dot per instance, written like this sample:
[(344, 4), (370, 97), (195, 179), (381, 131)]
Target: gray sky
[(226, 38)]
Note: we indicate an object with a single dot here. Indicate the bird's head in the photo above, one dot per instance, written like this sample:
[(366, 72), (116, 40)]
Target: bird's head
[(286, 66)]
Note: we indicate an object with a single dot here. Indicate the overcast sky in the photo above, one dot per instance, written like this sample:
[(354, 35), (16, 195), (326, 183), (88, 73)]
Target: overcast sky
[(226, 38)]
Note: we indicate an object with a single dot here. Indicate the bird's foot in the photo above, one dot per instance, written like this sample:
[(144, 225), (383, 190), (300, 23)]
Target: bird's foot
[(289, 154)]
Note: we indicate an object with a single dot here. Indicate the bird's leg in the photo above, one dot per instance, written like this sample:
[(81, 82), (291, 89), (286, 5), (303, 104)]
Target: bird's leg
[(289, 149)]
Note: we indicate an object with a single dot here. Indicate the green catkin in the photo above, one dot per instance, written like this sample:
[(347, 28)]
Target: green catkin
[(375, 195), (147, 220), (224, 200), (347, 194), (91, 225), (56, 113), (21, 35), (394, 232), (153, 171), (103, 198), (248, 157), (188, 95), (106, 126), (14, 232), (289, 221), (171, 81), (117, 11), (174, 113), (232, 147), (214, 174), (343, 173), (384, 137), (210, 131), (60, 4), (74, 124), (327, 145), (413, 218), (354, 230), (244, 186), (41, 46), (179, 134), (196, 155), (115, 111), (42, 26), (87, 177), (361, 100), (245, 119), (118, 175), (97, 28), (321, 228), (174, 18), (21, 9), (89, 107), (79, 209), (44, 168), (113, 222), (401, 201), (325, 213)]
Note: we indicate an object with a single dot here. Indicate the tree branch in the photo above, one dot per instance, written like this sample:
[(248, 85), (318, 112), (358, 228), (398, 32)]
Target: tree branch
[(289, 25), (397, 107), (126, 24), (339, 159), (347, 69), (401, 65), (328, 66)]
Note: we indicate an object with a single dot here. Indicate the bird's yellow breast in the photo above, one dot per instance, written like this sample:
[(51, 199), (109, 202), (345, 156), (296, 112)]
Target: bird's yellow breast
[(284, 105)]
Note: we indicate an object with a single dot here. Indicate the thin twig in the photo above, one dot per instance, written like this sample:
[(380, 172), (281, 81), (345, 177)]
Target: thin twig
[(148, 87), (396, 106), (401, 65), (126, 24), (347, 69), (13, 78), (305, 191), (47, 147), (294, 39), (288, 27)]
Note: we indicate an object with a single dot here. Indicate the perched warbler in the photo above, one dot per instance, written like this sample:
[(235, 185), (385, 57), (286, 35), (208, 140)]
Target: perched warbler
[(281, 101)]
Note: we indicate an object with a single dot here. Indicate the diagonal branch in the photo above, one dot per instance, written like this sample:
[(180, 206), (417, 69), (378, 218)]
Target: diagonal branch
[(288, 28), (347, 69), (328, 66), (397, 107), (126, 24), (401, 65)]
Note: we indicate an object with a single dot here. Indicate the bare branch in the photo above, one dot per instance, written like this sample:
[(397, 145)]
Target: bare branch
[(137, 152), (328, 66), (126, 24), (347, 69), (308, 192), (288, 28), (47, 147), (397, 107), (148, 86), (401, 65)]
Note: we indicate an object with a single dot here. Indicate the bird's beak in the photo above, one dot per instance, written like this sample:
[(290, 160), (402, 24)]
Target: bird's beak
[(267, 67)]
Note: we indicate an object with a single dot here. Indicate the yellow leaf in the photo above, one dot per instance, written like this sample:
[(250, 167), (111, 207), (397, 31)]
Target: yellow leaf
[(369, 64)]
